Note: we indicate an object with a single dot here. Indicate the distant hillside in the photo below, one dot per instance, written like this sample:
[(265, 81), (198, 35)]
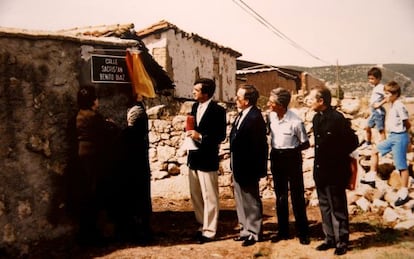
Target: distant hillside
[(353, 78)]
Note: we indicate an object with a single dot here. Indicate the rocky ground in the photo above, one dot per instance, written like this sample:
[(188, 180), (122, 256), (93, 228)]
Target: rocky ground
[(174, 226)]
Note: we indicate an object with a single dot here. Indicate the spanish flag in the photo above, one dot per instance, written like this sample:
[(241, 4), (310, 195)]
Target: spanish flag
[(140, 80)]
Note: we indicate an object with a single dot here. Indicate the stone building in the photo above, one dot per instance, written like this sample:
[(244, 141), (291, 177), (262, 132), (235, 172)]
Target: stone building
[(188, 56), (268, 77)]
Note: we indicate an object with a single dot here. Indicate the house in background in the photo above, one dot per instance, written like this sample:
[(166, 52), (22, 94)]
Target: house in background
[(268, 77), (187, 56)]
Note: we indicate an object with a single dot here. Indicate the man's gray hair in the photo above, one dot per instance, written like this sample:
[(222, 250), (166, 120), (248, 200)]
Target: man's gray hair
[(282, 96)]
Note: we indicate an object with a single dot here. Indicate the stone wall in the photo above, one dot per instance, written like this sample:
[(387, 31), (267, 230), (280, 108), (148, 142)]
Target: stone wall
[(39, 78)]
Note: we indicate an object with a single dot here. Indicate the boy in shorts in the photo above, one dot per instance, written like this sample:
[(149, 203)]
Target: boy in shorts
[(397, 142), (377, 116)]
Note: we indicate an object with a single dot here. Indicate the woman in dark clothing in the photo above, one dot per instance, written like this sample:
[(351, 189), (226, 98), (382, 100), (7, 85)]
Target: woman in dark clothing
[(93, 134), (134, 207)]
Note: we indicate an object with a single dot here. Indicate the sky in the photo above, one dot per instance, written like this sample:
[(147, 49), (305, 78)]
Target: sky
[(292, 32)]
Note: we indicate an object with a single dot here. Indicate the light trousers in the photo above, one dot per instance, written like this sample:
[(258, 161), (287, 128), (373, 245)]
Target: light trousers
[(249, 209), (205, 199)]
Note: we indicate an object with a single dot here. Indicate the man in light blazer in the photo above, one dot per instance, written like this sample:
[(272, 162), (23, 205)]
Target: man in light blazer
[(249, 152), (209, 131)]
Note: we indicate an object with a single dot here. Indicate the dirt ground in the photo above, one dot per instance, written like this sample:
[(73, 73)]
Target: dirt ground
[(174, 226)]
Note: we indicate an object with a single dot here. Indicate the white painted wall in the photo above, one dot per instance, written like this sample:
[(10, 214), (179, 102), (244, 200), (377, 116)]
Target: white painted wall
[(188, 56)]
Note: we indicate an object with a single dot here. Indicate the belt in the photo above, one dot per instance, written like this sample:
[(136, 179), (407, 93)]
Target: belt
[(285, 150)]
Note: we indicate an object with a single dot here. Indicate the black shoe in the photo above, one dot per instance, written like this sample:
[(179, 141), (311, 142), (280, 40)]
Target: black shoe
[(249, 241), (341, 250), (240, 238), (324, 246), (204, 239), (400, 201), (304, 240), (197, 236), (370, 183), (279, 237)]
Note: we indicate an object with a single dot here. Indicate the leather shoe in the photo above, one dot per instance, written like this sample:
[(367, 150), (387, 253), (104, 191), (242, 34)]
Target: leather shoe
[(279, 237), (249, 241), (400, 201), (198, 235), (240, 238), (370, 183), (324, 246), (204, 239), (341, 250), (304, 240)]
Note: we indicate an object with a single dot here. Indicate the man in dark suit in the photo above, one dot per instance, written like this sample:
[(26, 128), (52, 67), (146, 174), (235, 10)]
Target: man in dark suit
[(209, 131), (249, 151), (331, 170)]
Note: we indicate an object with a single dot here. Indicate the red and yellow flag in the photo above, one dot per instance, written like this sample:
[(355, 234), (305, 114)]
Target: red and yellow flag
[(140, 80)]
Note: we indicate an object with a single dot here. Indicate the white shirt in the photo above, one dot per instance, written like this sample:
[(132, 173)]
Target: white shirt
[(202, 107), (288, 132), (377, 94), (395, 117), (244, 113)]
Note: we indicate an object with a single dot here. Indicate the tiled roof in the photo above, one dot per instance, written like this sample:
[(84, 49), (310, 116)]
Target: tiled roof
[(115, 30), (267, 68), (165, 26), (71, 35)]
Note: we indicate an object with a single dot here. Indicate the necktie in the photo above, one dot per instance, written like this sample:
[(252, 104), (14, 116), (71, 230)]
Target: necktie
[(237, 121)]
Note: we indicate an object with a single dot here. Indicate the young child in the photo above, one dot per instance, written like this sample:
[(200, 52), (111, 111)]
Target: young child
[(377, 116), (397, 142)]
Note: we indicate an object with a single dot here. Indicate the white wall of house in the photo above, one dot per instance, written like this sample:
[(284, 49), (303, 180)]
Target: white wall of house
[(189, 59)]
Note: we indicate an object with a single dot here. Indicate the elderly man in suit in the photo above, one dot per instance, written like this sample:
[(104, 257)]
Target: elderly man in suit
[(209, 131), (249, 152), (331, 170)]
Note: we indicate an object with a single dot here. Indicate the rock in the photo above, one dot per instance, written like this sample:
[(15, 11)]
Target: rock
[(268, 194), (225, 180), (157, 175), (308, 180), (186, 107), (379, 203), (350, 106), (155, 112), (173, 169), (390, 215), (165, 153), (395, 180), (174, 188), (226, 192), (352, 197), (313, 199), (363, 204), (404, 225), (384, 170), (353, 209)]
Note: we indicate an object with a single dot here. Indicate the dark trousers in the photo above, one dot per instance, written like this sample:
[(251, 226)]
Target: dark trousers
[(286, 168), (334, 210)]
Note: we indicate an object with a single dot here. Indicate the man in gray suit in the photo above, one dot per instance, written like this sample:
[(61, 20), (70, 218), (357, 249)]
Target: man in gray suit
[(209, 131), (249, 151)]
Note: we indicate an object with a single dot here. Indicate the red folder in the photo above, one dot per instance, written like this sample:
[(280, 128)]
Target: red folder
[(190, 123)]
